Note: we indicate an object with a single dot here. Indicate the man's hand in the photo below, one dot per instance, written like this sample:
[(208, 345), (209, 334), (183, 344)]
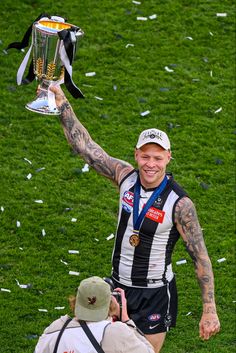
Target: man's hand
[(209, 324)]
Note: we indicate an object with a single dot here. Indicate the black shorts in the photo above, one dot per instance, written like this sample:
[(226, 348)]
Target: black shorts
[(153, 310)]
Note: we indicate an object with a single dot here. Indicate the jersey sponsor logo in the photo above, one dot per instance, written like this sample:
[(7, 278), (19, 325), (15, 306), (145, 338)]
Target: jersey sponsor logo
[(127, 201), (155, 215), (154, 317)]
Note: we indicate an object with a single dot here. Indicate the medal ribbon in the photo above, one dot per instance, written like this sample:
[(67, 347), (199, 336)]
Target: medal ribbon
[(137, 218)]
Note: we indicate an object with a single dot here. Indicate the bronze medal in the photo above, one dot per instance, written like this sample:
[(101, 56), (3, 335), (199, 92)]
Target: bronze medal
[(134, 240)]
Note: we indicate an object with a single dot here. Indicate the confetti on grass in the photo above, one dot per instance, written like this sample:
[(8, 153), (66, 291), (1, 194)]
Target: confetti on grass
[(145, 113), (5, 290), (29, 176), (64, 262), (142, 18), (43, 310), (73, 219), (18, 224), (85, 168), (43, 232), (90, 74), (218, 110), (221, 14), (59, 307), (38, 201), (189, 313), (27, 160), (181, 262), (168, 69), (74, 273), (73, 251), (2, 208), (111, 236), (221, 260), (153, 17)]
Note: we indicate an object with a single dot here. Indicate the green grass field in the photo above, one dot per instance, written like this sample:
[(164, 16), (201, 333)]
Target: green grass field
[(194, 103)]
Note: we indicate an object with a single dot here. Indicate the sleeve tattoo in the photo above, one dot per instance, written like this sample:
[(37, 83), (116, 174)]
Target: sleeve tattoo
[(82, 143), (189, 227)]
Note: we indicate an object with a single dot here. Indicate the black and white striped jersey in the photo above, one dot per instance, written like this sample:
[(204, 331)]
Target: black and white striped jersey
[(149, 263)]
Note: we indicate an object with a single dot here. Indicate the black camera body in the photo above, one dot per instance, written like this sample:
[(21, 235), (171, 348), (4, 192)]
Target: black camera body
[(113, 292)]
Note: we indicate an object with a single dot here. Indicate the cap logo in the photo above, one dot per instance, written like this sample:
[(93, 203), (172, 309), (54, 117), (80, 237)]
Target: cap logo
[(152, 135), (92, 300)]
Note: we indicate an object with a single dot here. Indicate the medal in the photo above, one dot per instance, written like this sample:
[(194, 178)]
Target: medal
[(134, 240)]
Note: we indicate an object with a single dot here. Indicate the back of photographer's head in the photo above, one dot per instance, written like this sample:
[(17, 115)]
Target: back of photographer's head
[(93, 299)]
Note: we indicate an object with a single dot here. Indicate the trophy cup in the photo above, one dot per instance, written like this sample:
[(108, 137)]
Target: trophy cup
[(54, 47)]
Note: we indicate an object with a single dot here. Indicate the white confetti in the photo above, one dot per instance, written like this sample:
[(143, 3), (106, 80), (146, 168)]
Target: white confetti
[(73, 251), (145, 113), (168, 69), (29, 176), (43, 232), (221, 260), (27, 160), (40, 169), (20, 248), (23, 286), (189, 313), (153, 17), (59, 307), (211, 34), (74, 273), (129, 45), (190, 38), (65, 263), (43, 310), (142, 18), (85, 168), (181, 262), (221, 14), (218, 110), (136, 2), (96, 239), (2, 208), (98, 98), (90, 74), (38, 201), (111, 236), (5, 290), (211, 74), (73, 219), (18, 224)]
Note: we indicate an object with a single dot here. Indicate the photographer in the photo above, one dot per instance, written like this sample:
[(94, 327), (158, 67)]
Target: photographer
[(101, 324)]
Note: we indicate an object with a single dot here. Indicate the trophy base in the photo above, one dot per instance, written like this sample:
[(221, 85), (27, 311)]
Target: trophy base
[(40, 105)]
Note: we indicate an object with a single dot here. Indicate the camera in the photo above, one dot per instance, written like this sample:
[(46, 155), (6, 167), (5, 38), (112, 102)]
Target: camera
[(113, 292)]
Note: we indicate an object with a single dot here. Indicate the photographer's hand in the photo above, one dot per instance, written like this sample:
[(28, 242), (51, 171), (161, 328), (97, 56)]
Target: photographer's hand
[(123, 315)]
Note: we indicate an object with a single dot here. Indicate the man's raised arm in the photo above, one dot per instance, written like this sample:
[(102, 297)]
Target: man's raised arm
[(82, 143)]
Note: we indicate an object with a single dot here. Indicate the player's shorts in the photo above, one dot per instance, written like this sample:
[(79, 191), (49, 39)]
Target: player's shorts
[(153, 310)]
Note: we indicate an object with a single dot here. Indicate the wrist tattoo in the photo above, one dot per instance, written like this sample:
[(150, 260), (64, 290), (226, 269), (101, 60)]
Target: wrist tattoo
[(64, 106)]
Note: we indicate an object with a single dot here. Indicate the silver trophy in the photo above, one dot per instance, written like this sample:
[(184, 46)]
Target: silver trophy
[(53, 46)]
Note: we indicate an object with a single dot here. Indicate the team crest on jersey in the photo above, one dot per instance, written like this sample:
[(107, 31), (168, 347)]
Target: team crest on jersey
[(127, 201), (154, 317)]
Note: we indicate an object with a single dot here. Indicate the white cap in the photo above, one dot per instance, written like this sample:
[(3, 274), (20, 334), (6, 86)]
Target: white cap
[(154, 136)]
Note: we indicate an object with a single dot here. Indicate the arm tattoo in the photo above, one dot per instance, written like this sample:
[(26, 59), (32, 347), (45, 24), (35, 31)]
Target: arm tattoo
[(188, 224), (81, 142)]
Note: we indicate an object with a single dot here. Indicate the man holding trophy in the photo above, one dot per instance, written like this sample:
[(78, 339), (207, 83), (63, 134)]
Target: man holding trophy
[(154, 210)]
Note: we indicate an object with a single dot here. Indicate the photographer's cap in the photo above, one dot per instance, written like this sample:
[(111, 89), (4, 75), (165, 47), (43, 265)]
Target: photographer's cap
[(153, 136), (93, 299)]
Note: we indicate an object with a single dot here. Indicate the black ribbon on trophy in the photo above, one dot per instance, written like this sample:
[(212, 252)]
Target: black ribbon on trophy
[(47, 27)]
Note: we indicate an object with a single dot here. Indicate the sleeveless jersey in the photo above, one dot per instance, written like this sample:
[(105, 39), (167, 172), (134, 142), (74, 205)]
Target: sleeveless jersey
[(149, 263)]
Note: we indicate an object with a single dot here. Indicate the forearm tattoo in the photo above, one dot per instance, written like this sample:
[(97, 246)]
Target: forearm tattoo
[(186, 218), (81, 142)]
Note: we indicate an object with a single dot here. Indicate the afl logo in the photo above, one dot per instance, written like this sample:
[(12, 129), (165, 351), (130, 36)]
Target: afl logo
[(128, 198), (154, 317)]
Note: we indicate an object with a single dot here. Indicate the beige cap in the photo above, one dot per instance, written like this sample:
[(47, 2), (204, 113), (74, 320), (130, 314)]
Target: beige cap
[(93, 299), (153, 136)]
